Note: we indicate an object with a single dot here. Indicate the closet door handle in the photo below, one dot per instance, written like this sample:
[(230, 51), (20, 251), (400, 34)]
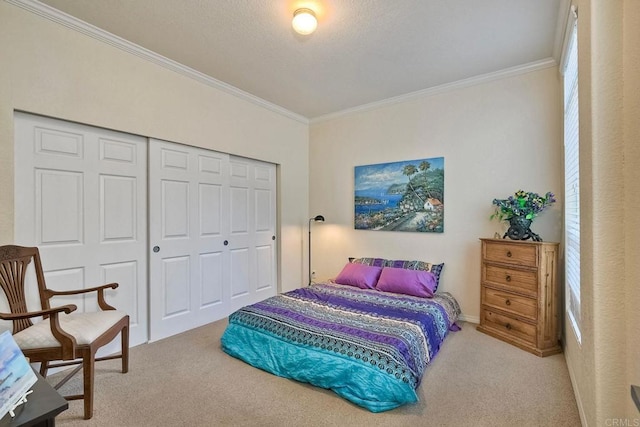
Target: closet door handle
[(226, 242), (156, 249)]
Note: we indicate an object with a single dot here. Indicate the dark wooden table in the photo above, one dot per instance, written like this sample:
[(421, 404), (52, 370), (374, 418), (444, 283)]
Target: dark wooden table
[(41, 408)]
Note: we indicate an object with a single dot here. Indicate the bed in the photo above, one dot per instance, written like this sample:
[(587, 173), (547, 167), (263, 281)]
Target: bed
[(369, 346)]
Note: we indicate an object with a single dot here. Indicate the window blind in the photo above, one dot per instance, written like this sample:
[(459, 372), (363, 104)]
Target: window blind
[(572, 181)]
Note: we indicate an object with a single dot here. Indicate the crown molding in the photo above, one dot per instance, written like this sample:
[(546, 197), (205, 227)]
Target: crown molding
[(87, 29), (447, 87), (561, 25)]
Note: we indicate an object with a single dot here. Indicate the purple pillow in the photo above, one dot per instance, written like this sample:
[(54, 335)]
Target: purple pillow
[(418, 283), (360, 275), (436, 269)]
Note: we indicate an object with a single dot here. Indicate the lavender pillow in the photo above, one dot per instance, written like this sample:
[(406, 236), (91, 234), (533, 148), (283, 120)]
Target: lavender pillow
[(418, 283), (360, 275), (436, 269)]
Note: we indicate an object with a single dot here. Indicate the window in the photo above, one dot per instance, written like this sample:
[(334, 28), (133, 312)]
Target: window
[(572, 176)]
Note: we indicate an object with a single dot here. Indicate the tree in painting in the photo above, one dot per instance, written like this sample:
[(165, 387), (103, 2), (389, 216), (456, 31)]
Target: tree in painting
[(410, 170)]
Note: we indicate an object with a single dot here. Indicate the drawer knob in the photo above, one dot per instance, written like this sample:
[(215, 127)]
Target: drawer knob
[(508, 254), (508, 302), (508, 278), (508, 326)]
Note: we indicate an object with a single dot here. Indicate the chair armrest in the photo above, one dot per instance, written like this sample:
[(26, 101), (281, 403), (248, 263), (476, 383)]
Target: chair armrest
[(11, 316), (51, 292), (67, 341), (102, 303)]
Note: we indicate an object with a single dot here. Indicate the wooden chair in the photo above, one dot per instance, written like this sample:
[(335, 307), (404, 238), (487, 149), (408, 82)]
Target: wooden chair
[(73, 338)]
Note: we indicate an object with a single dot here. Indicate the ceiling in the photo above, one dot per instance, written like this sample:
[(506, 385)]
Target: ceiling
[(363, 52)]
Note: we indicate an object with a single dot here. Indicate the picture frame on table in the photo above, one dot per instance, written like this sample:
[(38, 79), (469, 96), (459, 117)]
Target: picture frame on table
[(16, 375)]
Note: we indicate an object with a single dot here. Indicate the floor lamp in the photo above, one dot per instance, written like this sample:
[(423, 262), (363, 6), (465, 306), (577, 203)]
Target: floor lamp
[(317, 218)]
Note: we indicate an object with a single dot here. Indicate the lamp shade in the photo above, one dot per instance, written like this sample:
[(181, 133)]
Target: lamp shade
[(304, 21)]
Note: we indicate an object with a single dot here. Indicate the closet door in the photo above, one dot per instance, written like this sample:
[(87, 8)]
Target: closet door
[(188, 226), (212, 229), (80, 196), (252, 231)]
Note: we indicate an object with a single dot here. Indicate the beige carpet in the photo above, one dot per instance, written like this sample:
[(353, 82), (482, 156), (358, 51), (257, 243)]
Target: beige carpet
[(187, 380)]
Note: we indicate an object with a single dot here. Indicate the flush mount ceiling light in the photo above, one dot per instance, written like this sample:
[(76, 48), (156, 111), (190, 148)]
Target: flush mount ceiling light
[(304, 21)]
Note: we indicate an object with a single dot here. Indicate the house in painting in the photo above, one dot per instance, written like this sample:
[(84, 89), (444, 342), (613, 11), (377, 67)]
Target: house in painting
[(432, 205)]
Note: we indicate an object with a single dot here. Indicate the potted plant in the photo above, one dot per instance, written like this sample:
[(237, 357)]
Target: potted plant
[(520, 210)]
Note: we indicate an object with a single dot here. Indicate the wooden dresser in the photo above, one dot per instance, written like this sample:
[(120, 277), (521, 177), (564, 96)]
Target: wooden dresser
[(518, 294)]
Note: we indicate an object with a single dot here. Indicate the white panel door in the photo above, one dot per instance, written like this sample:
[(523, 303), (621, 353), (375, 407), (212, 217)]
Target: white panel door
[(252, 269), (212, 232), (188, 189), (81, 198)]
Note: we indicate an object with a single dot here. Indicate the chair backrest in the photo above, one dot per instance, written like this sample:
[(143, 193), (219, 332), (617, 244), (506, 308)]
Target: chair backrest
[(14, 261)]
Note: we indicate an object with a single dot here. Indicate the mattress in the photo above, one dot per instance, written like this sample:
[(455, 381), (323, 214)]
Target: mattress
[(368, 346)]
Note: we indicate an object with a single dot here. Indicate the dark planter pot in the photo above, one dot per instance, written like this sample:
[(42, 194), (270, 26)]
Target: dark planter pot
[(519, 229)]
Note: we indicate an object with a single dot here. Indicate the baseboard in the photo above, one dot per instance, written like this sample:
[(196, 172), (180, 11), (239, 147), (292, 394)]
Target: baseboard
[(576, 391), (470, 319)]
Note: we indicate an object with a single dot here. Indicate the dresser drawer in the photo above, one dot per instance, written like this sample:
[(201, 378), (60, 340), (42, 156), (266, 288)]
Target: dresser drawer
[(518, 280), (516, 304), (506, 325), (511, 253)]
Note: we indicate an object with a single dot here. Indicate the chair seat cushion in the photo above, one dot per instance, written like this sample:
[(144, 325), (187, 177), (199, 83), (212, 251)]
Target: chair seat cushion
[(85, 328)]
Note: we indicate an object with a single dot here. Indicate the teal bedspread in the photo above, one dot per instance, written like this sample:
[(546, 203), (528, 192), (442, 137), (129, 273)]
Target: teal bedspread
[(369, 347)]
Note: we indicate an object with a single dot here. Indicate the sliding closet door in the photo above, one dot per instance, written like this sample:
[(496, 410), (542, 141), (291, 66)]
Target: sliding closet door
[(252, 231), (212, 230), (187, 225), (80, 196)]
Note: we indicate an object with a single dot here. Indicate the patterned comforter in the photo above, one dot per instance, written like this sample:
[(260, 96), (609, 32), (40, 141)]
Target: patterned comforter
[(369, 347)]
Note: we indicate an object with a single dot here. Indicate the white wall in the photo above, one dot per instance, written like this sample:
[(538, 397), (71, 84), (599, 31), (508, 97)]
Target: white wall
[(607, 360), (495, 137), (49, 69), (631, 135)]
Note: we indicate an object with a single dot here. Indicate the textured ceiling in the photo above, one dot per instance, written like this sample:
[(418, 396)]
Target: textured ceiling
[(364, 51)]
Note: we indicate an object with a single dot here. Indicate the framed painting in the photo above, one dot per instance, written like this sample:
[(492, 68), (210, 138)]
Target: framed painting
[(400, 196)]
